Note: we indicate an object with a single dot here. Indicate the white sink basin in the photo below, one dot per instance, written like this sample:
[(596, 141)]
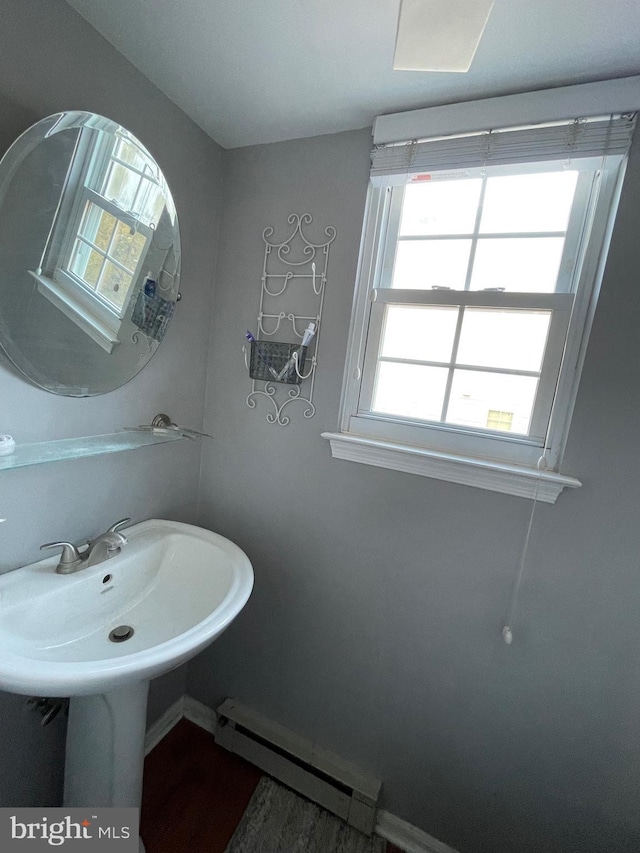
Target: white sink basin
[(176, 585)]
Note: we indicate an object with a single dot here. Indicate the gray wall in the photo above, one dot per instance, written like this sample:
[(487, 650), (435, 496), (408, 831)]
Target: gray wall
[(375, 624), (52, 60)]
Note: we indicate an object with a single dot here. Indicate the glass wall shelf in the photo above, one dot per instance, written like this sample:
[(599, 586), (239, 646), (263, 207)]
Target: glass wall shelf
[(75, 448)]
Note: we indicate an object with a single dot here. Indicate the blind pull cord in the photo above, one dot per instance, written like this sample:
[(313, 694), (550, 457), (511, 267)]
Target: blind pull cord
[(507, 631)]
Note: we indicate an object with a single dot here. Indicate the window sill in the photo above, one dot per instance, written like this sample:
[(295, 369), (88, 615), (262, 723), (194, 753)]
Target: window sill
[(480, 473), (102, 329)]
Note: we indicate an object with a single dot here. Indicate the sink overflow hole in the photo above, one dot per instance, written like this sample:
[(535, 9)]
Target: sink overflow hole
[(121, 633), (106, 578)]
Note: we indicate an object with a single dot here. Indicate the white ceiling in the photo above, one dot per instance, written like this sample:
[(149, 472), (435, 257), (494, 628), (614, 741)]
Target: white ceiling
[(254, 71)]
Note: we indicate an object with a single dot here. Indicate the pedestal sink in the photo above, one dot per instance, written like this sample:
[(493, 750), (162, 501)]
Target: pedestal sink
[(99, 636)]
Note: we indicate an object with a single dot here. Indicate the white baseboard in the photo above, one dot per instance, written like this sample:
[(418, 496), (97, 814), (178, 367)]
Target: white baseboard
[(200, 714), (164, 724), (393, 829), (186, 707), (406, 836)]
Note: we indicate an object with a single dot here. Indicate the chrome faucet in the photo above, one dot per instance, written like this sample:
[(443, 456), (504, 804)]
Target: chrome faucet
[(74, 558)]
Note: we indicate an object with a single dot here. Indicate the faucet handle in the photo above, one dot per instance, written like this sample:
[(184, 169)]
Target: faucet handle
[(70, 555), (115, 527)]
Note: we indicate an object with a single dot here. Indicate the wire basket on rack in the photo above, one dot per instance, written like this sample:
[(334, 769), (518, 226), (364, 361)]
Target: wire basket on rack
[(151, 314), (273, 361)]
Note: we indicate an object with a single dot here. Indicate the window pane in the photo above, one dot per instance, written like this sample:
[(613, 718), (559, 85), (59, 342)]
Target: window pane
[(422, 333), (421, 265), (114, 285), (537, 202), (510, 339), (122, 186), (153, 171), (474, 394), (149, 202), (153, 205), (97, 226), (128, 246), (130, 154), (86, 263), (440, 207), (519, 265), (410, 390)]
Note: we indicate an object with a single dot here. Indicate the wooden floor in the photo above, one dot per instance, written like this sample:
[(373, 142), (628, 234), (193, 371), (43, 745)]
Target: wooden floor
[(195, 793)]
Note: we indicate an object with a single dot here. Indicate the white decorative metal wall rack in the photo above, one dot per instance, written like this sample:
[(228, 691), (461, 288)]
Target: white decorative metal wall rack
[(294, 278)]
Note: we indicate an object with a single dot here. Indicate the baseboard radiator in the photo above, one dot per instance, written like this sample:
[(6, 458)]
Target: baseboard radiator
[(318, 775)]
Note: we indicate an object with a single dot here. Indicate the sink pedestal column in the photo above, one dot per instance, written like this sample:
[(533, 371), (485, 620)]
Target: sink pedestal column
[(105, 748)]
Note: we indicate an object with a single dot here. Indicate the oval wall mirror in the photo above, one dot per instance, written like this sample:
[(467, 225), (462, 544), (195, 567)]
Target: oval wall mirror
[(89, 254)]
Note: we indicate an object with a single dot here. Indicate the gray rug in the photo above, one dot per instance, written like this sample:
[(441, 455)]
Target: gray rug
[(279, 821)]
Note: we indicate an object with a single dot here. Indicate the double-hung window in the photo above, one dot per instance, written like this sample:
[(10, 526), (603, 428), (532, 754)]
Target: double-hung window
[(96, 252), (478, 275), (118, 207)]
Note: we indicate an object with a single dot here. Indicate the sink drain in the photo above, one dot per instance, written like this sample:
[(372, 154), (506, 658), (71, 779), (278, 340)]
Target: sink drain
[(121, 633)]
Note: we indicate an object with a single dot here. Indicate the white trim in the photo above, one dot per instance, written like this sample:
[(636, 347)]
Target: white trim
[(497, 445), (187, 707), (406, 836), (594, 264), (364, 336), (481, 459), (164, 724), (86, 317), (200, 714), (369, 269), (546, 105), (506, 300), (317, 774), (467, 471), (393, 829), (271, 734)]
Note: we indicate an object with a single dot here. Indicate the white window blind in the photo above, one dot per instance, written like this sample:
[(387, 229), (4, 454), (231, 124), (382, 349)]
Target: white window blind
[(578, 138)]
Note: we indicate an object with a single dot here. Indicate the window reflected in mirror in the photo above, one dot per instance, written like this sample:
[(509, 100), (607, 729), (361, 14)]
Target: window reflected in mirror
[(94, 276)]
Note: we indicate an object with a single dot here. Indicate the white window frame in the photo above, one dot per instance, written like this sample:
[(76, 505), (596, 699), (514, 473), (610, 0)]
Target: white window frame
[(86, 307), (487, 459)]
